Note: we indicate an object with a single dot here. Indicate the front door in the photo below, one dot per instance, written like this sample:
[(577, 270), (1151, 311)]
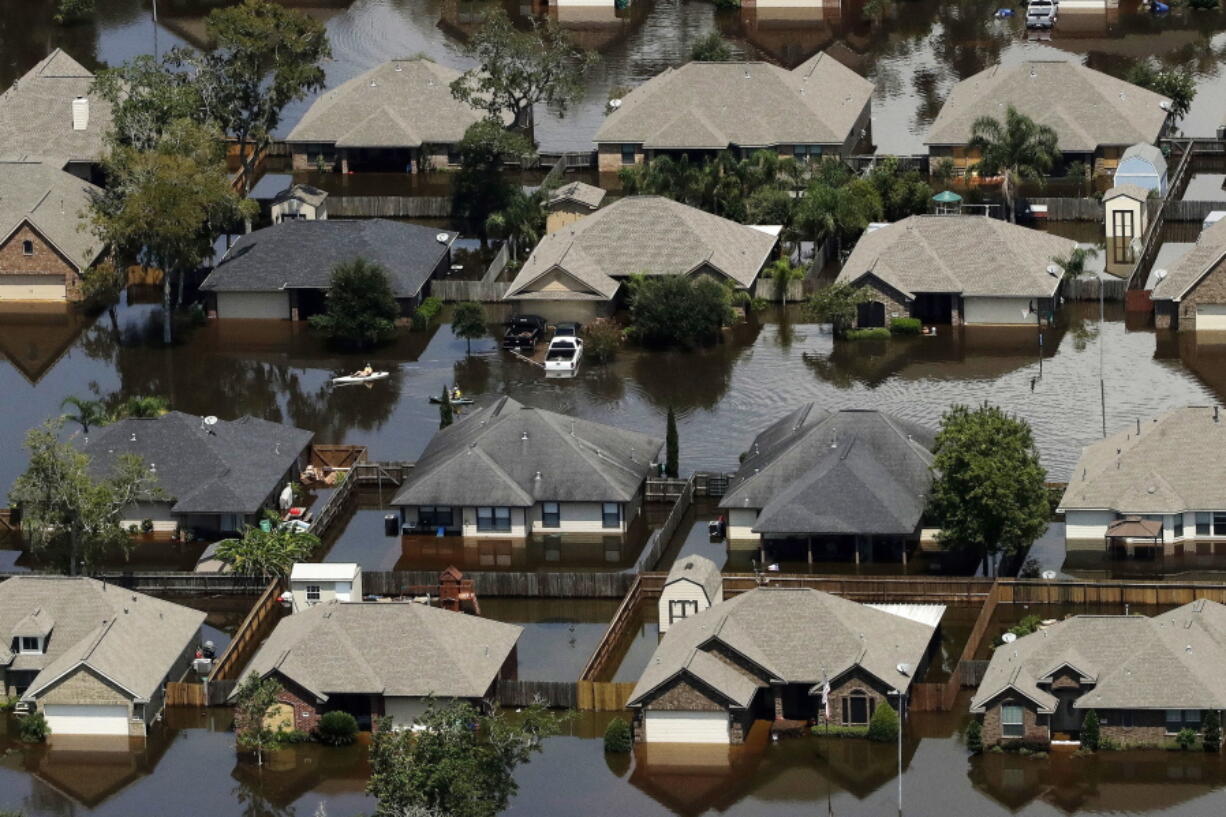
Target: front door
[(1066, 719)]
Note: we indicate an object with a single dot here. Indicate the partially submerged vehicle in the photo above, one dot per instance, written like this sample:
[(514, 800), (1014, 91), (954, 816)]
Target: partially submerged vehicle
[(523, 332), (1041, 13), (563, 355)]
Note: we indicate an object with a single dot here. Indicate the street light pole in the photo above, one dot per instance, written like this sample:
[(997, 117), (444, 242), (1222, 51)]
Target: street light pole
[(155, 29), (902, 705), (1102, 386)]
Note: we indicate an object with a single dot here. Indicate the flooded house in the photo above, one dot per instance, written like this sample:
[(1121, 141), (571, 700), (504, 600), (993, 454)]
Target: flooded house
[(1146, 678), (1150, 491), (93, 658), (702, 109), (213, 476), (399, 116), (776, 653), (376, 659), (832, 485), (52, 114), (958, 270), (283, 272), (1190, 295), (511, 472), (1096, 117), (45, 243), (577, 273), (571, 202)]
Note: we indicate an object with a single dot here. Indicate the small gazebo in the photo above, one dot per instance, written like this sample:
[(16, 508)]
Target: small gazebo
[(948, 203), (1135, 530)]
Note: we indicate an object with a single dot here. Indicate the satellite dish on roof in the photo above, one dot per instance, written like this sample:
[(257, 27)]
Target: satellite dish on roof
[(442, 238), (1009, 638), (211, 420), (903, 669), (615, 103), (1049, 574)]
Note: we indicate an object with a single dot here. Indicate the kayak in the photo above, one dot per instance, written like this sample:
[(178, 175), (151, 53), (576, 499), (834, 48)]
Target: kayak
[(345, 380), (455, 401)]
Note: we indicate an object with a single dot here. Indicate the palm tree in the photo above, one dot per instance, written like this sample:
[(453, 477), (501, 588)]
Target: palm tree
[(783, 273), (89, 412), (143, 407), (1017, 149), (520, 222)]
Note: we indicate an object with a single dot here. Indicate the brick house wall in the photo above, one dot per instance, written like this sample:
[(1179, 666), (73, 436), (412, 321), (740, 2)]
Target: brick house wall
[(1034, 725), (1148, 726), (45, 260), (844, 687), (306, 714), (82, 687), (1211, 289), (609, 157), (894, 302), (681, 695)]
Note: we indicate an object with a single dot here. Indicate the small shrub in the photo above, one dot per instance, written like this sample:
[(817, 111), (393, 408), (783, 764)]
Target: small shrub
[(426, 312), (1211, 729), (1090, 736), (133, 528), (602, 338), (839, 731), (1107, 744), (288, 737), (875, 333), (617, 737), (906, 326), (146, 526), (33, 728), (8, 704), (337, 728), (996, 749), (883, 726), (1030, 569), (1186, 738), (974, 737), (1024, 751)]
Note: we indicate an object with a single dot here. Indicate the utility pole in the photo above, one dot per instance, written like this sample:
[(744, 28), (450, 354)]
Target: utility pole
[(1102, 385)]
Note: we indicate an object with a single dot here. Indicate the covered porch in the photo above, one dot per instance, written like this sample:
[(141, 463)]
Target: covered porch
[(1134, 537)]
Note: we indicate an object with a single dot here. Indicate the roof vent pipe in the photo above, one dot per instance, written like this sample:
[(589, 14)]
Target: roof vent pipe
[(1138, 426), (1215, 414)]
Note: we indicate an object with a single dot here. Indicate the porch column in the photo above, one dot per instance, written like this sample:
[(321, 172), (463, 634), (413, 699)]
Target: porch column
[(777, 694), (809, 549), (345, 162), (903, 547)]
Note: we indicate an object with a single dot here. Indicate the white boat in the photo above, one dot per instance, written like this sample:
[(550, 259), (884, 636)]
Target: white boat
[(349, 379), (562, 356)]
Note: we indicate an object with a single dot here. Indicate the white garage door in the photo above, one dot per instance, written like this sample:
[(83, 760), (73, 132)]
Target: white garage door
[(268, 305), (998, 310), (1211, 317), (687, 727), (32, 288), (86, 720)]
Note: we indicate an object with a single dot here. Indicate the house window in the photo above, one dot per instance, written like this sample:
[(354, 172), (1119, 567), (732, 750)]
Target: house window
[(27, 247), (857, 708), (807, 152), (628, 154), (1125, 717), (453, 154), (435, 516), (1178, 526), (30, 644), (1202, 523), (494, 519), (312, 593), (681, 608), (551, 515), (611, 516), (1219, 523), (1012, 724), (1174, 721)]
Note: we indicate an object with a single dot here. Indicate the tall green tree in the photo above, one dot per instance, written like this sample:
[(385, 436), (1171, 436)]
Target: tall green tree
[(989, 494), (253, 699), (676, 310), (143, 406), (521, 220), (518, 69), (671, 453), (446, 414), (480, 188), (361, 309), (88, 413), (711, 48), (468, 322), (147, 95), (269, 553), (902, 192), (264, 57), (1090, 733), (1177, 84), (836, 305), (783, 272), (1074, 264), (458, 763), (1211, 731), (1016, 149), (70, 514)]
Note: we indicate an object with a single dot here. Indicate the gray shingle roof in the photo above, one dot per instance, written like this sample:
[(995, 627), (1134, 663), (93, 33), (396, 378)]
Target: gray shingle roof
[(492, 457), (1177, 463), (55, 203), (698, 569), (796, 635), (851, 471), (387, 648), (749, 104), (1209, 251), (304, 193), (1148, 152), (128, 637), (588, 195), (229, 467), (302, 253), (36, 114), (1086, 108), (648, 234), (972, 255), (1173, 661), (401, 103), (1134, 191)]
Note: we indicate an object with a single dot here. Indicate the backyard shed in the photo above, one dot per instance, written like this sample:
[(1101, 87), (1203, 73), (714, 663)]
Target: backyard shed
[(1125, 214), (1144, 166), (693, 585)]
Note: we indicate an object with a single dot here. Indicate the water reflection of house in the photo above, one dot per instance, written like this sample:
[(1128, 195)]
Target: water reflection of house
[(1095, 116), (35, 336), (89, 770), (956, 269), (841, 485), (791, 32), (187, 19), (510, 473)]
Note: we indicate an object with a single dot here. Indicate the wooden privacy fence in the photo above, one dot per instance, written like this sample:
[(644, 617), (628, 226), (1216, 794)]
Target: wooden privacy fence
[(333, 507), (660, 538), (480, 291), (913, 589), (554, 694), (602, 696), (185, 694), (1192, 210), (389, 206), (1088, 289), (374, 473), (334, 457), (664, 489), (1037, 591), (595, 585), (172, 583), (625, 618), (1070, 209), (259, 622)]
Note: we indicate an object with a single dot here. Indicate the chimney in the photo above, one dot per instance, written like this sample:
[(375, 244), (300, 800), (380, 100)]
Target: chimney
[(80, 113)]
